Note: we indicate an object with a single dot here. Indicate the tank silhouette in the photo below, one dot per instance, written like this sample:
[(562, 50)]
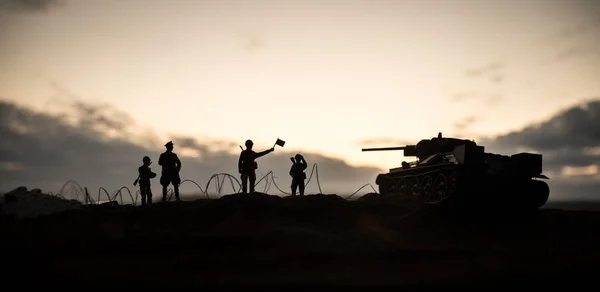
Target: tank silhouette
[(452, 170)]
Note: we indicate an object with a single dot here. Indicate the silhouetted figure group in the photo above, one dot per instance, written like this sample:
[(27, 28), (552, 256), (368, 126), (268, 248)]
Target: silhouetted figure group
[(247, 165), (171, 165)]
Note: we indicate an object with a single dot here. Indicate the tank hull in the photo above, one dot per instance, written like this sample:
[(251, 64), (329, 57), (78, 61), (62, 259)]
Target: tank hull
[(451, 184)]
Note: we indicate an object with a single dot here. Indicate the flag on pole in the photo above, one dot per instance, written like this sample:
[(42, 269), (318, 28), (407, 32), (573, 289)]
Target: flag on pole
[(280, 142)]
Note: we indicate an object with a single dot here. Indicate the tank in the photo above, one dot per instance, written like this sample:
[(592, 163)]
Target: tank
[(452, 170)]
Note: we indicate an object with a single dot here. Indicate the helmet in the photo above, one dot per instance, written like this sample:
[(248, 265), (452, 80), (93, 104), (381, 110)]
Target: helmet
[(249, 143)]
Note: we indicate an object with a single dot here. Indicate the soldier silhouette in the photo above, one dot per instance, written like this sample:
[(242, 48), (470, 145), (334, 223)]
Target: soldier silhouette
[(247, 166), (171, 165), (297, 173), (144, 176)]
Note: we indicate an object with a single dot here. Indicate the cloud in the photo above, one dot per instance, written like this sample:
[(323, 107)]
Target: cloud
[(250, 41), (491, 72), (493, 99), (497, 78), (464, 95), (570, 144), (490, 99), (570, 138), (30, 6), (576, 40), (577, 29), (42, 150), (576, 51), (574, 128), (465, 123), (253, 44), (486, 70)]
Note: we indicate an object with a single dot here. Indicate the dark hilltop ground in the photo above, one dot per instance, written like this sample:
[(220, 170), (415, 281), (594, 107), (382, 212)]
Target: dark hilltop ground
[(316, 240)]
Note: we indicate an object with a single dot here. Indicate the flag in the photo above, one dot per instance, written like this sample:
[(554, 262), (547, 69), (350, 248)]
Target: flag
[(280, 142)]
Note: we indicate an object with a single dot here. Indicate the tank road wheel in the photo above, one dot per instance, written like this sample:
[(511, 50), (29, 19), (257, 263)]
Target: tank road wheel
[(452, 182), (386, 186), (413, 188), (401, 188), (427, 188), (389, 187), (395, 184), (440, 187)]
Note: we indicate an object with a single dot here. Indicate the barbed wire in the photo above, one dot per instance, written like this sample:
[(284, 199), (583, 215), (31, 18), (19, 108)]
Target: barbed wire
[(77, 192), (81, 193)]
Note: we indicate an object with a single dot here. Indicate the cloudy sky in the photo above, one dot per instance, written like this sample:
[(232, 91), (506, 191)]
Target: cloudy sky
[(90, 86)]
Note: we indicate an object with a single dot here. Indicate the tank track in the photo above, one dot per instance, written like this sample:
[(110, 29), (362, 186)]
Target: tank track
[(432, 186), (440, 184)]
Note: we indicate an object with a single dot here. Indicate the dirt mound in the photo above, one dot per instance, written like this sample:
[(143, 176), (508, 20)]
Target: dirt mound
[(251, 197), (259, 239), (22, 203)]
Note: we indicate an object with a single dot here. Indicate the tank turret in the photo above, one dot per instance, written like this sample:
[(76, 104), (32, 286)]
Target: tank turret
[(461, 169)]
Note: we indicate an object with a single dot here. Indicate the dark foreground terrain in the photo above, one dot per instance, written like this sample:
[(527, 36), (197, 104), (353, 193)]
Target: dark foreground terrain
[(317, 240)]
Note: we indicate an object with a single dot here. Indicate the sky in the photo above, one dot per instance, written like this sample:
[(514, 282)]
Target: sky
[(329, 77)]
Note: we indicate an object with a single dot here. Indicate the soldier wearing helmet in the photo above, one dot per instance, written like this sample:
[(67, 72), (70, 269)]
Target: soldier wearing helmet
[(247, 165), (144, 176), (171, 165), (297, 173)]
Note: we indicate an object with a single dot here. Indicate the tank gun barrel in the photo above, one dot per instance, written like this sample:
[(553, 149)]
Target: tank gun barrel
[(409, 150), (384, 148)]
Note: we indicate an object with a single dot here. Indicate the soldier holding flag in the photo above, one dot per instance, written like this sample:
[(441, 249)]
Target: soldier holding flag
[(247, 164)]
